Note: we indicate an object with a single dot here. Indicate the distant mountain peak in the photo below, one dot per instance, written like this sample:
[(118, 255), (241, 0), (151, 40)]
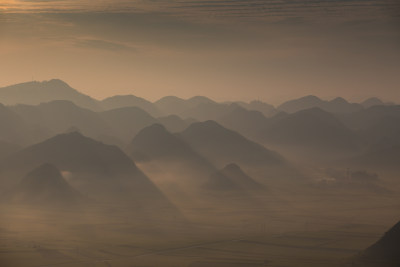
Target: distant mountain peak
[(339, 100), (337, 105), (310, 97), (57, 82), (34, 93), (200, 100), (169, 97), (372, 101)]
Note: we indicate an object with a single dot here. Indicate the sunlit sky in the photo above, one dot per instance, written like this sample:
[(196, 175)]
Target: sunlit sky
[(271, 50)]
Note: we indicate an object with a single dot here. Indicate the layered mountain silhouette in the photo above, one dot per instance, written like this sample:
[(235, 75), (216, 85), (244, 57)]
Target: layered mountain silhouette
[(172, 105), (250, 123), (265, 108), (373, 101), (312, 128), (386, 251), (208, 111), (102, 172), (121, 101), (60, 115), (237, 175), (75, 153), (223, 146), (337, 105), (44, 186), (34, 93), (156, 143), (382, 157), (378, 126), (173, 123), (127, 121), (14, 129), (365, 119), (178, 106)]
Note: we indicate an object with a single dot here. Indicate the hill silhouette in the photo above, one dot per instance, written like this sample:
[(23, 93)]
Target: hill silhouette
[(208, 111), (366, 118), (256, 105), (312, 128), (73, 152), (250, 123), (59, 115), (156, 143), (121, 101), (382, 157), (373, 101), (127, 121), (14, 129), (34, 93), (173, 123), (386, 250), (223, 146), (171, 105), (232, 178), (98, 170), (237, 175), (337, 105), (184, 107), (44, 186)]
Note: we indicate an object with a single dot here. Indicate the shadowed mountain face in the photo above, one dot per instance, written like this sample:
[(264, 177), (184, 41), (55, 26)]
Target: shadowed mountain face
[(156, 143), (34, 93), (386, 249), (120, 101), (44, 186), (98, 170), (223, 146), (236, 174), (75, 153), (312, 128), (232, 178), (337, 105)]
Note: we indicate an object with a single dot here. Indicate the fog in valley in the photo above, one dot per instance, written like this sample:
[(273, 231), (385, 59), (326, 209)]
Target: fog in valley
[(194, 182)]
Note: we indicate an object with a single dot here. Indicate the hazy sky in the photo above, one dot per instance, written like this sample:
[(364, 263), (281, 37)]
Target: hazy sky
[(271, 50)]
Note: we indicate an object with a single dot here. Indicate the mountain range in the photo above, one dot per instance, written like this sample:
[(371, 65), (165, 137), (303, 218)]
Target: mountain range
[(198, 137)]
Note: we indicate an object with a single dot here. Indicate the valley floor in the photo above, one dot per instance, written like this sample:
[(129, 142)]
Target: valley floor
[(311, 228)]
